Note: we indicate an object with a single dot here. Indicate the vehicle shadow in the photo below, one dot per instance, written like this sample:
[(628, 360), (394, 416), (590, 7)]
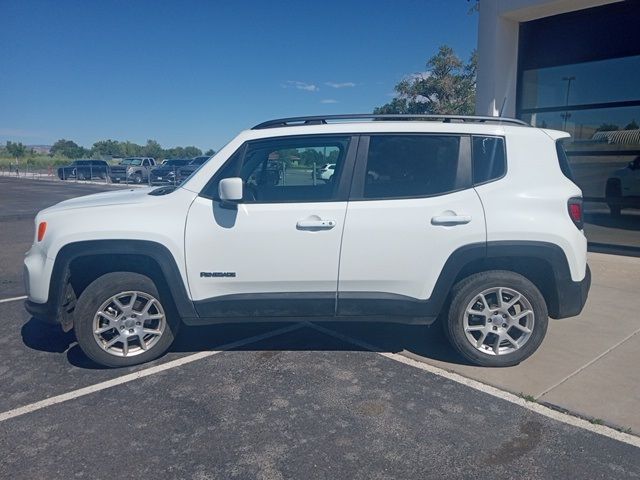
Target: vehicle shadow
[(428, 342)]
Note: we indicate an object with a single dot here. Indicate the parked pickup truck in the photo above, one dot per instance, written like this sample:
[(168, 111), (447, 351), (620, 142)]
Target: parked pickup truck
[(132, 169), (84, 170)]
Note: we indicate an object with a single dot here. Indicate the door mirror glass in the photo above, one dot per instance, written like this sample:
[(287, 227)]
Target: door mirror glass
[(230, 190)]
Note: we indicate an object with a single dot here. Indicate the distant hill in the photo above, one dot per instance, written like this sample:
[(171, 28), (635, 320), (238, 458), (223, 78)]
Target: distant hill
[(43, 149)]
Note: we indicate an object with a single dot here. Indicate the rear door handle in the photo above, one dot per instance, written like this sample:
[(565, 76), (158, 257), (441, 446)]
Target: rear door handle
[(315, 224), (450, 219)]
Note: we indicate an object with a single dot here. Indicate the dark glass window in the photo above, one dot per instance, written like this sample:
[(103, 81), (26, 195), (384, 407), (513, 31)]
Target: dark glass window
[(411, 166), (603, 81), (563, 161), (489, 162)]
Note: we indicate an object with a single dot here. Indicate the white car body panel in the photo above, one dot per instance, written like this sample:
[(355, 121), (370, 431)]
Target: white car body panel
[(122, 215), (261, 244), (391, 246), (530, 202)]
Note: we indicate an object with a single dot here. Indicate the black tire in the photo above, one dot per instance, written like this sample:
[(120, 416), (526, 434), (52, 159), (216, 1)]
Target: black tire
[(137, 178), (99, 291), (466, 290)]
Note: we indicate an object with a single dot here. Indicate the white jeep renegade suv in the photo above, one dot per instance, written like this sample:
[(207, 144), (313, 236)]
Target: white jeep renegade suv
[(471, 219)]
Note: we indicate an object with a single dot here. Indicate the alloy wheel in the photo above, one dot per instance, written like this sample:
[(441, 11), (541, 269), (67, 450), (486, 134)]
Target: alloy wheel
[(129, 323), (499, 321)]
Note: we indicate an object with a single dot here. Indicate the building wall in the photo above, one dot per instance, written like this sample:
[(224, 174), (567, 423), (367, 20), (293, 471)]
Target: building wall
[(498, 47)]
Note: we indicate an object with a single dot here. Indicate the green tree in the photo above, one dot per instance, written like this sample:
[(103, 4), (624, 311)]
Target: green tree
[(152, 149), (192, 152), (130, 149), (211, 152), (68, 148), (107, 148), (632, 126), (175, 152), (447, 88), (16, 149)]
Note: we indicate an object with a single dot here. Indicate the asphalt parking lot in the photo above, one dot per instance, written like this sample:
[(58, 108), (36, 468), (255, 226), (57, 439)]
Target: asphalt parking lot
[(266, 401)]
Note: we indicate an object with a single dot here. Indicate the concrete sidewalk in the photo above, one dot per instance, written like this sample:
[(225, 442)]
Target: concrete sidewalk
[(588, 365)]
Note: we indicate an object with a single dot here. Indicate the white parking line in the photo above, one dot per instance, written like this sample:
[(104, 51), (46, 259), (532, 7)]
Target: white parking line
[(32, 407), (496, 392), (14, 299)]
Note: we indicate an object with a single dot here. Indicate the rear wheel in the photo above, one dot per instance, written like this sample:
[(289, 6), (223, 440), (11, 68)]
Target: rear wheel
[(496, 318), (120, 320)]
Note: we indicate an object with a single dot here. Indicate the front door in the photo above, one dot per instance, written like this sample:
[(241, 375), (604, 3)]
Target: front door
[(277, 251)]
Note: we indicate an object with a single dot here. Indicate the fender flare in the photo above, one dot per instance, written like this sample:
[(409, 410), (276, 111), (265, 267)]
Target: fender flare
[(153, 250)]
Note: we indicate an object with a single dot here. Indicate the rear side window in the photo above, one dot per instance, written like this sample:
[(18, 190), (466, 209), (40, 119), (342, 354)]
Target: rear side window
[(489, 159), (406, 166), (563, 160)]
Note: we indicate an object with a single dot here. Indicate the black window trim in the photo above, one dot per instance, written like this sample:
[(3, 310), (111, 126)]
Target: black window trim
[(464, 174), (506, 160), (341, 193)]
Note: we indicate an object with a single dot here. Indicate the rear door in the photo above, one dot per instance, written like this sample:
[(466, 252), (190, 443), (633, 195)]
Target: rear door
[(412, 206)]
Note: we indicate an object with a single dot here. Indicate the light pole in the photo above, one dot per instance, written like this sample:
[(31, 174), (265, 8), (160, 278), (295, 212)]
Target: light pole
[(566, 114)]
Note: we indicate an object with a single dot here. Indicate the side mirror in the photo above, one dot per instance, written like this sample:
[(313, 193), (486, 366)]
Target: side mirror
[(230, 190)]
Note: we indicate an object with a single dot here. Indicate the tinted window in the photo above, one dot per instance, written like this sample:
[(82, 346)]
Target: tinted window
[(564, 161), (489, 160), (285, 170), (411, 166)]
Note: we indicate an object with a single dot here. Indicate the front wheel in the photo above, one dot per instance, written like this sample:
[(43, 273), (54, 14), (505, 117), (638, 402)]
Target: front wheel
[(496, 318), (120, 320)]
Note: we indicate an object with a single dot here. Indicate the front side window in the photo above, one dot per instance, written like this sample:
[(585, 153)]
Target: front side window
[(406, 166), (286, 170)]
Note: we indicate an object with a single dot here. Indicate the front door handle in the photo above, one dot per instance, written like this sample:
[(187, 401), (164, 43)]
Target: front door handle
[(315, 224), (450, 219)]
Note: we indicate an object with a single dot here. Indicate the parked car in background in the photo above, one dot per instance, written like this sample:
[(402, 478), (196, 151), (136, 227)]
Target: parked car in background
[(167, 172), (84, 170), (191, 167), (132, 169), (327, 171), (623, 188)]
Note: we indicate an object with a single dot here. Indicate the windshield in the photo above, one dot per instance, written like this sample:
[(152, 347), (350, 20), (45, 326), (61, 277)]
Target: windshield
[(131, 161)]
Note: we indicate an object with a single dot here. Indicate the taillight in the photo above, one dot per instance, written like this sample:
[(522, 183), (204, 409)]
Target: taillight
[(576, 212), (42, 229)]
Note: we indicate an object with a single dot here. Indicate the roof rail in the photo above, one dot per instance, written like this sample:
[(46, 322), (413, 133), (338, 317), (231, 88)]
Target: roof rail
[(324, 119)]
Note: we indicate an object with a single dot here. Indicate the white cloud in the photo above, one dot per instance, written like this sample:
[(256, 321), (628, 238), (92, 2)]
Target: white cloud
[(340, 85), (309, 87), (328, 100)]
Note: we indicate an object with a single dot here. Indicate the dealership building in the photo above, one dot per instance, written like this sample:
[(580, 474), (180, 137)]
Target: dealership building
[(573, 65)]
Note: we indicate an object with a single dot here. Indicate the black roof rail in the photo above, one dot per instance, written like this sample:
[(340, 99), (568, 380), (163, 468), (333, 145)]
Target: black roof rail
[(323, 119)]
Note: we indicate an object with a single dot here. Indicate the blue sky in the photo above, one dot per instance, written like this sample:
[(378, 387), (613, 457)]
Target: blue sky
[(197, 72)]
